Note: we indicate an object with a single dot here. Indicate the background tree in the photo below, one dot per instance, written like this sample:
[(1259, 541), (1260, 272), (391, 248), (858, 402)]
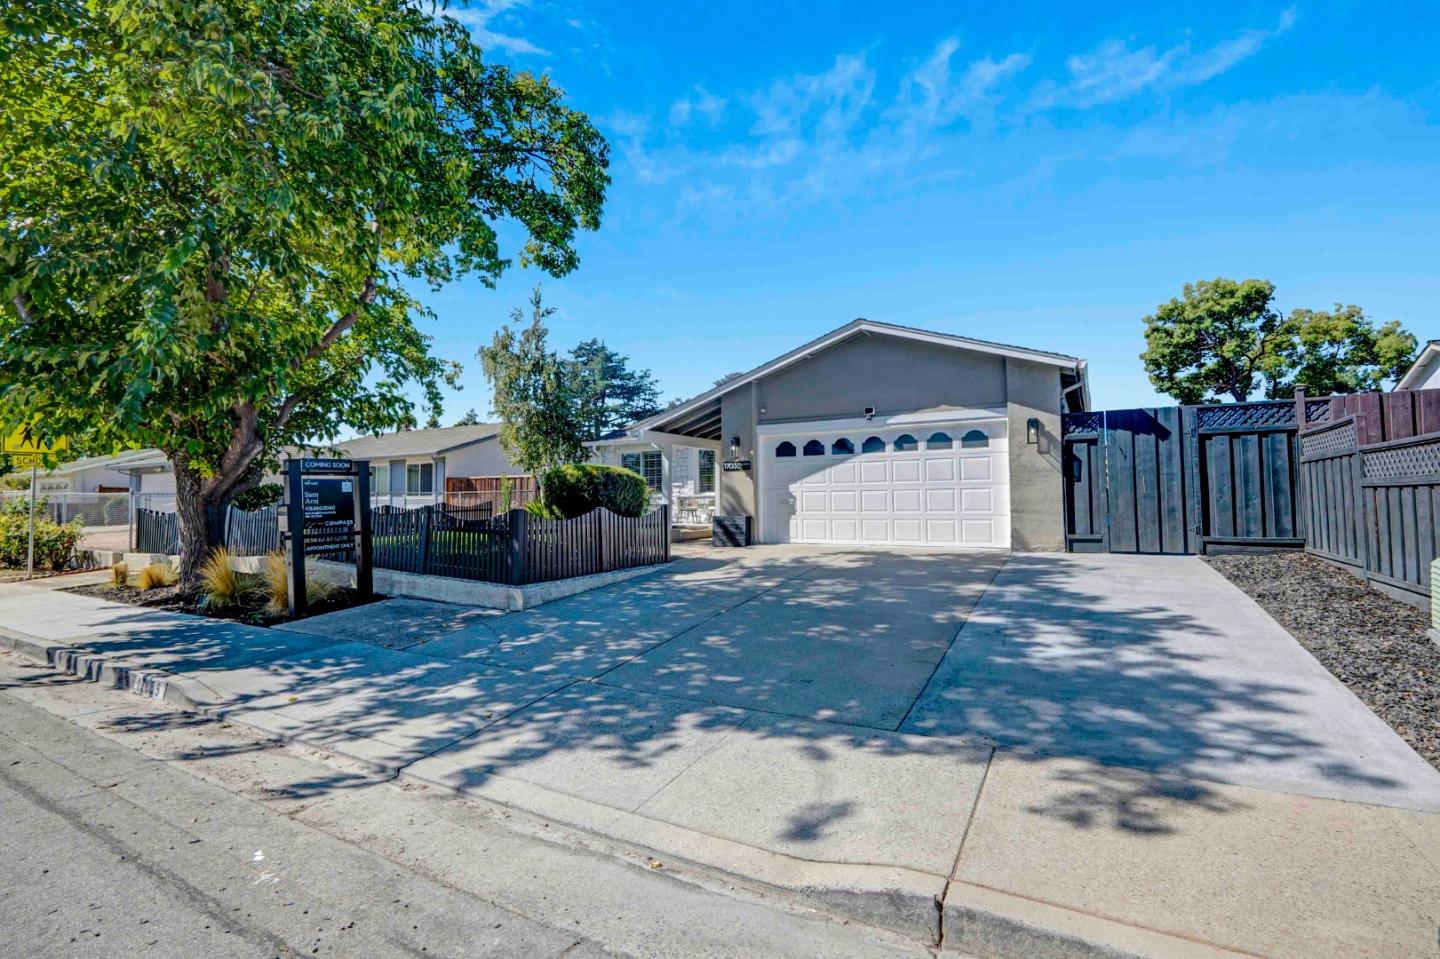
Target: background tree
[(610, 394), (471, 418), (728, 377), (1225, 337), (1342, 351), (534, 393), (1217, 339), (210, 211)]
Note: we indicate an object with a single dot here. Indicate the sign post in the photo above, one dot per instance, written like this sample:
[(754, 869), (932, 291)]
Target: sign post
[(22, 447), (326, 512)]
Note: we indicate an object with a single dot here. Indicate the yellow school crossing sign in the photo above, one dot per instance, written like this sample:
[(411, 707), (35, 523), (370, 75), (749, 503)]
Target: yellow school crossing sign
[(25, 449)]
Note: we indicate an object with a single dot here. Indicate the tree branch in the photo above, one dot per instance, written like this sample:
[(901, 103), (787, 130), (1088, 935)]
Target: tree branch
[(25, 307), (338, 328)]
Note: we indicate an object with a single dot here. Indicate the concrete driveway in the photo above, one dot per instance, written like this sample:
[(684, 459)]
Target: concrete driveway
[(783, 712)]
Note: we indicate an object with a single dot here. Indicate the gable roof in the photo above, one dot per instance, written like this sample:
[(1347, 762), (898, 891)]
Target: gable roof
[(853, 328), (414, 442), (1425, 361)]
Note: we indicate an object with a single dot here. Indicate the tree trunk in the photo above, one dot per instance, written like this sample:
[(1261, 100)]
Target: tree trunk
[(202, 521)]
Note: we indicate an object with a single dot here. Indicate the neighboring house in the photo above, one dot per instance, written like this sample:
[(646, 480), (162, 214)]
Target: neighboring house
[(1424, 373), (876, 434), (409, 467), (143, 470)]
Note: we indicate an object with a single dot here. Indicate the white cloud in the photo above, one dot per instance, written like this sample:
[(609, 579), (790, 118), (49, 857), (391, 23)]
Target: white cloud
[(1115, 72), (480, 21), (700, 103), (829, 103), (931, 96)]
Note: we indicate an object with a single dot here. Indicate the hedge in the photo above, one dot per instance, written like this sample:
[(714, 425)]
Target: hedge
[(570, 491)]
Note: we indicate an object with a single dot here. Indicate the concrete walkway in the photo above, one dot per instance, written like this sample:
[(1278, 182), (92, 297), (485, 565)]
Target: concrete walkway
[(819, 721)]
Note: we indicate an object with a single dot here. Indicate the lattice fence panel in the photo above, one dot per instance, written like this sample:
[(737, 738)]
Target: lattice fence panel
[(1246, 416), (1091, 422), (1329, 441), (1419, 459)]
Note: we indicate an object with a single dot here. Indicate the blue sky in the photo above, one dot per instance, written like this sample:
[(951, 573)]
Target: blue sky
[(1042, 174)]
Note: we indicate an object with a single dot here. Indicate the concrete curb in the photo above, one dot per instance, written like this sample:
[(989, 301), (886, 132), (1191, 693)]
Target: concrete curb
[(984, 922), (960, 917)]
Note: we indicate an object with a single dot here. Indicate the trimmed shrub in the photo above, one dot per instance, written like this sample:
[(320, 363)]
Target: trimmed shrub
[(570, 491)]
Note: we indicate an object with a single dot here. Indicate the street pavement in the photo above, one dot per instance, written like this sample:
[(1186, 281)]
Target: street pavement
[(873, 732)]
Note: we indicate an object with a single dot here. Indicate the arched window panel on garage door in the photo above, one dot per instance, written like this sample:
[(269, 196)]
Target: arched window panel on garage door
[(974, 439), (842, 447), (786, 448), (873, 444), (939, 441), (814, 448), (905, 443)]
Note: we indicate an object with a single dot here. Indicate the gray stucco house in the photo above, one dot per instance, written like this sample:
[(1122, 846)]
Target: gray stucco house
[(876, 434)]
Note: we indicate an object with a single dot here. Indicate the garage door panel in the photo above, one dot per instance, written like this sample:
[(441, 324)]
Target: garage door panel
[(942, 531), (940, 470), (942, 497), (977, 531), (908, 530), (905, 471), (906, 500), (874, 471), (975, 469), (977, 501), (940, 500), (875, 530)]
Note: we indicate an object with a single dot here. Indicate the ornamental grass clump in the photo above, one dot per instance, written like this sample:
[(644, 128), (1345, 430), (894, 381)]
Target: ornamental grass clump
[(120, 575), (157, 576), (219, 581), (276, 586)]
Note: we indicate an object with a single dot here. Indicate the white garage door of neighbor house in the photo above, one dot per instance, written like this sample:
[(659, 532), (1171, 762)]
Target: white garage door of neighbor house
[(923, 484)]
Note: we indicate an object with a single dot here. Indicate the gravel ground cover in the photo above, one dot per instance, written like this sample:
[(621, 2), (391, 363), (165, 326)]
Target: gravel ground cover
[(1374, 644)]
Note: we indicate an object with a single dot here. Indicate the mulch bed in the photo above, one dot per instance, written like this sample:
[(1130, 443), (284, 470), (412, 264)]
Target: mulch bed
[(251, 611), (1374, 644)]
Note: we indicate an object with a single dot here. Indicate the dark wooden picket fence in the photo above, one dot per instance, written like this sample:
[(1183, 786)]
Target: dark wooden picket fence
[(1370, 482), (253, 533), (157, 532), (514, 548)]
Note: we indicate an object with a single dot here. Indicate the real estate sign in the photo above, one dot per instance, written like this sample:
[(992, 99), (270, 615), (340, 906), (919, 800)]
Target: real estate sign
[(326, 514)]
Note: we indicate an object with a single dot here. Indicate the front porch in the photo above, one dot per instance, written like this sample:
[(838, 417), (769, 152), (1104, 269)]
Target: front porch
[(681, 471)]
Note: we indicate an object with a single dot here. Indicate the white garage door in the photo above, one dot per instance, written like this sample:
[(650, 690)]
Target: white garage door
[(940, 484)]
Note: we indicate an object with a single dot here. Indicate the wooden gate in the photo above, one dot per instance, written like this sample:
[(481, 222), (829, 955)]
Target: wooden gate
[(1180, 479)]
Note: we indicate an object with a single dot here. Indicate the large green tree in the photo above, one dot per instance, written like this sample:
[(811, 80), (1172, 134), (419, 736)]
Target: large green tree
[(610, 394), (534, 393), (1343, 351), (1218, 338), (1225, 337), (212, 210)]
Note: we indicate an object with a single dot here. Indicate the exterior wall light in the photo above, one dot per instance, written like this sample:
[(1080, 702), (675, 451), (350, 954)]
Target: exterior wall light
[(734, 447), (1032, 431)]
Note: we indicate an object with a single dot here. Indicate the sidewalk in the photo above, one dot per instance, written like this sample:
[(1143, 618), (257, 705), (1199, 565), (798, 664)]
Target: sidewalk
[(1024, 855)]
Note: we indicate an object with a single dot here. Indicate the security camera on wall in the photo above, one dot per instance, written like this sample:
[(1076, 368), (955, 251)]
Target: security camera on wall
[(869, 412)]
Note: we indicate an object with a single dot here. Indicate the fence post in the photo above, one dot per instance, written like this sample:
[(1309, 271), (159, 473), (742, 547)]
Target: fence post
[(423, 561), (519, 533), (1364, 517), (665, 529)]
